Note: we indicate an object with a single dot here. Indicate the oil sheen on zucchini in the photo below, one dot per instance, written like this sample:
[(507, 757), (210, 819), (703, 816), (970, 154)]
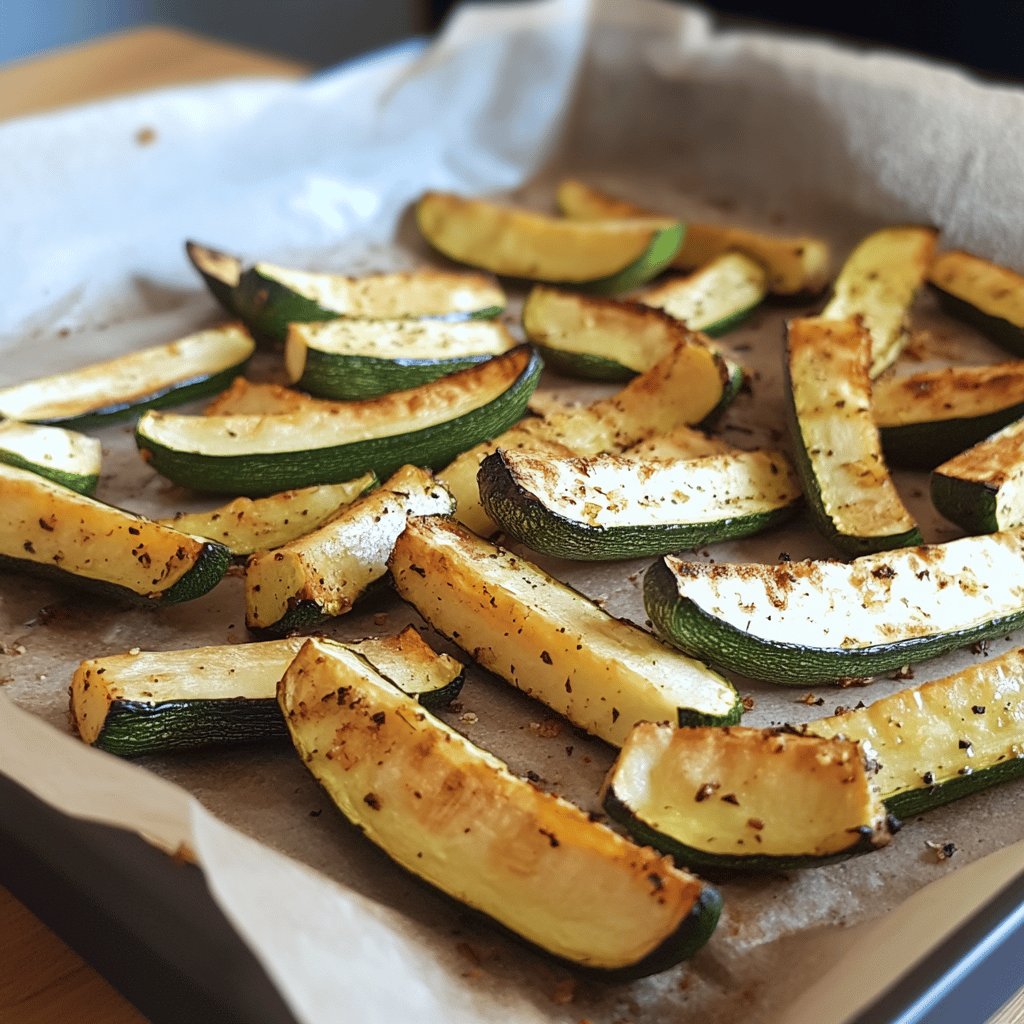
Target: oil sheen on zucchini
[(455, 816), (850, 494), (747, 799), (548, 640), (928, 417), (323, 574), (246, 525), (161, 701), (822, 621), (151, 378), (984, 294), (795, 265), (269, 298), (877, 285), (604, 257), (982, 489), (428, 425), (944, 739), (63, 456), (680, 389), (607, 506), (51, 531), (346, 359)]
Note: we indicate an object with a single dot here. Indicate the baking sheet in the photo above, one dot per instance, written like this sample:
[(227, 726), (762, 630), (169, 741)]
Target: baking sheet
[(643, 98)]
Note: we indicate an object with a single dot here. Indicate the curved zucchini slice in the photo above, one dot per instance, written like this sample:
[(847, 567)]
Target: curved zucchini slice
[(982, 489), (605, 257), (746, 799), (795, 265), (850, 493), (945, 739), (162, 701), (428, 425), (549, 641), (681, 388), (455, 816), (151, 378), (877, 285), (268, 298), (53, 532), (347, 359), (928, 417), (607, 506), (984, 294), (68, 458), (323, 574), (251, 398), (821, 621), (716, 298), (678, 443), (246, 525)]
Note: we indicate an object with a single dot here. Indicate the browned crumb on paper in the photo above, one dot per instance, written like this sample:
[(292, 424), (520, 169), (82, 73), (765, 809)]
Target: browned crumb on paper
[(942, 850), (145, 136), (549, 729), (564, 992)]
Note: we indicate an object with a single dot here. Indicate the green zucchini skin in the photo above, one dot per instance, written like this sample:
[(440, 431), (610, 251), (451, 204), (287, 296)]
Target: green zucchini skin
[(1005, 334), (267, 307), (925, 445), (664, 246), (301, 617), (206, 572), (83, 483), (524, 516), (690, 857), (264, 473), (970, 504), (918, 801), (222, 288), (680, 622)]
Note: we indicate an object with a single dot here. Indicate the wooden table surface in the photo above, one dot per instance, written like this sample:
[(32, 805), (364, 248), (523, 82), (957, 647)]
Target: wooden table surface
[(41, 979)]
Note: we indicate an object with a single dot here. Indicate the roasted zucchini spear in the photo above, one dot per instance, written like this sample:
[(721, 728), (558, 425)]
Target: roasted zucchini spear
[(63, 456)]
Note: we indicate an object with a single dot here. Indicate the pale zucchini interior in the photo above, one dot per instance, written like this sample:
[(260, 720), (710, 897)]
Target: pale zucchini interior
[(831, 389), (42, 522), (394, 339), (454, 815), (679, 443), (216, 264), (942, 730), (994, 290), (252, 398), (130, 378), (409, 293), (246, 524), (877, 599), (747, 792), (954, 392), (603, 674), (327, 426), (606, 491), (726, 286), (52, 448), (520, 243)]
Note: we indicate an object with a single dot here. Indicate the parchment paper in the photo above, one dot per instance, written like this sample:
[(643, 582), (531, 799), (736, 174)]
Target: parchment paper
[(643, 98)]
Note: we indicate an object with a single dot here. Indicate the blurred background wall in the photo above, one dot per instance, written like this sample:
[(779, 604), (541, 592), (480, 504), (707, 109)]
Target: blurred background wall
[(987, 35)]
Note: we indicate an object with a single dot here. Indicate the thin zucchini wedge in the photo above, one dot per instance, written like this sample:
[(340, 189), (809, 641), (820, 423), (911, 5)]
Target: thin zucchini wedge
[(268, 298), (346, 359), (607, 506), (163, 701), (605, 257), (455, 816), (323, 574), (64, 456), (678, 443), (746, 799), (200, 364), (984, 294), (428, 425), (51, 531), (681, 388), (877, 285), (928, 417), (944, 739), (850, 494), (714, 299), (549, 641), (822, 621), (250, 398), (246, 525), (795, 265), (982, 489)]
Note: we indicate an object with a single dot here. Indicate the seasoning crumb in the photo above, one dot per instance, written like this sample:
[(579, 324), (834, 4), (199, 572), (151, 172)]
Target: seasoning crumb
[(145, 136), (469, 717), (811, 700), (943, 851), (380, 618), (235, 571), (705, 791), (748, 702), (549, 729), (6, 648), (905, 672), (564, 992), (135, 650), (469, 953), (979, 647)]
